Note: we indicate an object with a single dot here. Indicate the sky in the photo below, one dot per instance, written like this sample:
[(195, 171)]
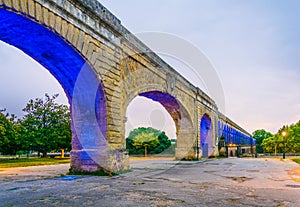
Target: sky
[(252, 45)]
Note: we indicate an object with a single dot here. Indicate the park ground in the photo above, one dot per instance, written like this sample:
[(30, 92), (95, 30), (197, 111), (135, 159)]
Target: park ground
[(160, 183)]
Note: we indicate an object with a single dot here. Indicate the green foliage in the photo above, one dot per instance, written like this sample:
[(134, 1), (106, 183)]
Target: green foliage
[(278, 144), (46, 125), (260, 135), (44, 128), (293, 137), (9, 133), (147, 141), (273, 144)]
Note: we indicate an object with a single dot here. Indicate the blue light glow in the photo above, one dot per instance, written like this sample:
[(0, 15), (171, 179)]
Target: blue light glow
[(233, 136), (43, 45), (205, 135), (64, 62)]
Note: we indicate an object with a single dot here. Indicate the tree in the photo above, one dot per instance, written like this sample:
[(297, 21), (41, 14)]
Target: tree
[(259, 136), (145, 140), (9, 133), (163, 141), (4, 139), (289, 143), (46, 125), (272, 144), (293, 138)]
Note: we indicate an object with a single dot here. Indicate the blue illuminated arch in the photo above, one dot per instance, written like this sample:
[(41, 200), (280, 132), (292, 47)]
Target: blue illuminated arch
[(43, 45), (65, 63), (205, 135), (234, 136), (176, 110)]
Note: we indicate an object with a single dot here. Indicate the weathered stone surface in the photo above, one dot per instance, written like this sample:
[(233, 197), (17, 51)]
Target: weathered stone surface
[(31, 8), (24, 7), (7, 3), (16, 5), (38, 12)]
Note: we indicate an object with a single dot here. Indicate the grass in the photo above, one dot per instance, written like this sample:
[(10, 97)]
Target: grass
[(25, 162), (297, 160)]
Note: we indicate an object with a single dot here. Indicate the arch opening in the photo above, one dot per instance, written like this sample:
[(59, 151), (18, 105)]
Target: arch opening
[(144, 112), (82, 87), (206, 137), (148, 116), (184, 148)]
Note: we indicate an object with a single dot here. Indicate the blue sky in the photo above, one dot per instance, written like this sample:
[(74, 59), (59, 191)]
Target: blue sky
[(253, 45)]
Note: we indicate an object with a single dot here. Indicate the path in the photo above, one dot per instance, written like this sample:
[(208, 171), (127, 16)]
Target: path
[(224, 182)]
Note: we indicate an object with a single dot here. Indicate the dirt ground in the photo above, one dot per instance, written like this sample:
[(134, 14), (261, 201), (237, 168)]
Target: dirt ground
[(294, 173), (158, 182)]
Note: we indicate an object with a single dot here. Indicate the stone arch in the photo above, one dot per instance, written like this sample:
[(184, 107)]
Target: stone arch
[(178, 112), (60, 57), (206, 136)]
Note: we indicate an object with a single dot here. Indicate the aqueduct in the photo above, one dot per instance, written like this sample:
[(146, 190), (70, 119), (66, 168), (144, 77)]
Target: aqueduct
[(102, 67)]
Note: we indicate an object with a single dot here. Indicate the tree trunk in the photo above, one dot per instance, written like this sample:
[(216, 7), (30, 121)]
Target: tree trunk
[(145, 151), (44, 154)]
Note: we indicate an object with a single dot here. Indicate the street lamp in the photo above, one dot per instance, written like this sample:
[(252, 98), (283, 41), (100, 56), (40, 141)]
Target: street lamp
[(283, 134)]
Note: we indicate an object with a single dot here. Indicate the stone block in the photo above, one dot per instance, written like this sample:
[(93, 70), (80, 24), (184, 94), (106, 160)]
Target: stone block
[(86, 44), (93, 58), (102, 159), (115, 140), (64, 29), (114, 117), (75, 38), (118, 145), (70, 33), (113, 99), (31, 8), (105, 59), (92, 52), (8, 3), (185, 153), (16, 5), (80, 41), (45, 14), (57, 26), (113, 92), (112, 121), (114, 127), (51, 20), (113, 134), (38, 12)]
